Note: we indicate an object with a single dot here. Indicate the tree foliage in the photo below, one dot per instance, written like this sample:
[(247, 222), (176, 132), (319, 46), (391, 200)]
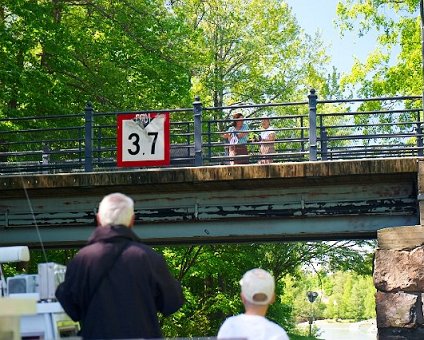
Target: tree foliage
[(56, 55), (251, 51), (342, 295), (399, 34), (210, 275)]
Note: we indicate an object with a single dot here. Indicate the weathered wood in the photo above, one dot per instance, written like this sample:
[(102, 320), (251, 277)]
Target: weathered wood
[(216, 177), (399, 238)]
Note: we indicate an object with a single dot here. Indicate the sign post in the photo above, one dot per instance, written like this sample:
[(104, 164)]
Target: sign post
[(311, 297), (143, 139)]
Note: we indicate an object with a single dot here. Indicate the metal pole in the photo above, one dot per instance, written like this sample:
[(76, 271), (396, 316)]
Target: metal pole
[(418, 129), (197, 110), (88, 147), (312, 125), (310, 326), (422, 49)]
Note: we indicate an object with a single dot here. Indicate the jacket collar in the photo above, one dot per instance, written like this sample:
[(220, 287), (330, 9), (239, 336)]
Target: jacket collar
[(112, 234)]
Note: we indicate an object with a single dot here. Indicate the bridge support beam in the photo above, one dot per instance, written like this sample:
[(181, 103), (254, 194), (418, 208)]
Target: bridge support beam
[(399, 280)]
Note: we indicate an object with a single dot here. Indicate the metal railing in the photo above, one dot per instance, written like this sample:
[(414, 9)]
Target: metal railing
[(305, 131)]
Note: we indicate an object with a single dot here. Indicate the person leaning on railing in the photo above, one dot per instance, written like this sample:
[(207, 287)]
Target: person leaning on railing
[(267, 138), (237, 137)]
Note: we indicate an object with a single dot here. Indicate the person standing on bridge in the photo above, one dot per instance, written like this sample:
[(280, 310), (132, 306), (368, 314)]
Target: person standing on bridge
[(116, 285), (257, 293), (237, 137), (267, 138)]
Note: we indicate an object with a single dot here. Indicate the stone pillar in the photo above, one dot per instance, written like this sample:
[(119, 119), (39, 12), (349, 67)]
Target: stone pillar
[(399, 279)]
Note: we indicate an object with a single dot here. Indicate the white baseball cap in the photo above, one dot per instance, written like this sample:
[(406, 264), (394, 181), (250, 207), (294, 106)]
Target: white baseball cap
[(257, 286)]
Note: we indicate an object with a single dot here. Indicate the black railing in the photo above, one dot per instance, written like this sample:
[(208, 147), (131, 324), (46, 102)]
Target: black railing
[(305, 131)]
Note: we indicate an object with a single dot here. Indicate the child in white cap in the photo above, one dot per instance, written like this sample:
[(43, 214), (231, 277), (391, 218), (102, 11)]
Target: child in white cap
[(257, 293)]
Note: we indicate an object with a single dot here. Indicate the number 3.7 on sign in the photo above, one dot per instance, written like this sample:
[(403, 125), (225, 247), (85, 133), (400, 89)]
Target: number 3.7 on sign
[(143, 139)]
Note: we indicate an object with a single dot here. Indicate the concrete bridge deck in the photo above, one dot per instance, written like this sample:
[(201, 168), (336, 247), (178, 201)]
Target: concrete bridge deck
[(282, 202)]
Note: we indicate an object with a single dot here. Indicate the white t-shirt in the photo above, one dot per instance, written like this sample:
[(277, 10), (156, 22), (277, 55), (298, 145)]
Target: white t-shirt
[(251, 327), (265, 133)]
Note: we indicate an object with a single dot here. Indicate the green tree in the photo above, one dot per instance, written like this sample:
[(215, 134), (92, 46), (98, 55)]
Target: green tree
[(398, 27), (344, 295), (56, 55), (210, 275), (251, 51)]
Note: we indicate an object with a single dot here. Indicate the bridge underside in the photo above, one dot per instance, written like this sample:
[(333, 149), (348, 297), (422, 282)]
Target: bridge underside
[(276, 202)]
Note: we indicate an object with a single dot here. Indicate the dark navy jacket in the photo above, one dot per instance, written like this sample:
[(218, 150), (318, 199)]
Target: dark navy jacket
[(126, 302)]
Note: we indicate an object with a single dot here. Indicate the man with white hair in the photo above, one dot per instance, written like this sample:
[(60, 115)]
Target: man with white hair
[(257, 293), (116, 285)]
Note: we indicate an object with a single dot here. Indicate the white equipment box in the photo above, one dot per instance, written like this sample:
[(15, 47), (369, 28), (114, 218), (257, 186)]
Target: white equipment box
[(50, 322), (50, 276)]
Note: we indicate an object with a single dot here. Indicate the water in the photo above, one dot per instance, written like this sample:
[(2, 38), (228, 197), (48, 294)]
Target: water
[(330, 330)]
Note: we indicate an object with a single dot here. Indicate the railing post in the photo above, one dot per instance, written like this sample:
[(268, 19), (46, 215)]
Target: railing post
[(419, 133), (45, 156), (88, 146), (197, 110), (302, 135), (209, 141), (324, 143), (312, 125)]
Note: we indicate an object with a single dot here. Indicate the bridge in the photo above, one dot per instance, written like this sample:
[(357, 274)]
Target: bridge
[(337, 173), (275, 202)]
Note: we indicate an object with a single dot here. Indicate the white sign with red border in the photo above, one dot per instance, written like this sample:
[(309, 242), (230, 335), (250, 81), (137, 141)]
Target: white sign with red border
[(143, 139)]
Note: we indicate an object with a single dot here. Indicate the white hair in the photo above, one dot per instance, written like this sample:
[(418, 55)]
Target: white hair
[(116, 209)]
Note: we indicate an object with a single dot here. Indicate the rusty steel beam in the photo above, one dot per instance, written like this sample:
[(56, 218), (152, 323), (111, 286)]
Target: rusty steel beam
[(259, 230)]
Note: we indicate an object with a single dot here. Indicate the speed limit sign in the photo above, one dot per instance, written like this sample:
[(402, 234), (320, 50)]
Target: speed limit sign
[(143, 139)]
